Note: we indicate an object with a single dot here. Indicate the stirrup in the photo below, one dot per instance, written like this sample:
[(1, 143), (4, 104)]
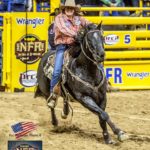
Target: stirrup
[(52, 100)]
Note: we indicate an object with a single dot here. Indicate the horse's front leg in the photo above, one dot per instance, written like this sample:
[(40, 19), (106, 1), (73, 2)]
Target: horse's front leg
[(54, 120), (90, 104), (106, 134), (103, 124), (65, 111)]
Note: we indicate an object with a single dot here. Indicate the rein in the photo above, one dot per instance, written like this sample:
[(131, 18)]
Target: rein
[(84, 82)]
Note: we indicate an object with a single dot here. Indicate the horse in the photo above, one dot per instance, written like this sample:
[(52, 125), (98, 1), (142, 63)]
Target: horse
[(85, 80)]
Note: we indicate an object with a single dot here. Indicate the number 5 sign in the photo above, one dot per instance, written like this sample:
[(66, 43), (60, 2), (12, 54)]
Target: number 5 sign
[(127, 39)]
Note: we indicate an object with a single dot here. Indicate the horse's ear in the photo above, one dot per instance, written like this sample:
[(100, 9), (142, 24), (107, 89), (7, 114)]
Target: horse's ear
[(99, 27)]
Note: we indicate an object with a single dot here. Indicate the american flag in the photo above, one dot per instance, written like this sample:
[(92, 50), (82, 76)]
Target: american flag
[(22, 128)]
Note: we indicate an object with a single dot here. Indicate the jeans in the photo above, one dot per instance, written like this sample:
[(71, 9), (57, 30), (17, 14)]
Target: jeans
[(60, 49)]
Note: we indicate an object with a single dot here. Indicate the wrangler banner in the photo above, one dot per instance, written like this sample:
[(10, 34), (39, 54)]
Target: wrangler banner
[(29, 43)]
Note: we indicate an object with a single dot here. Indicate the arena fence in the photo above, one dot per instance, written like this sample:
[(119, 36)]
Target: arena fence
[(127, 64), (1, 48), (24, 39)]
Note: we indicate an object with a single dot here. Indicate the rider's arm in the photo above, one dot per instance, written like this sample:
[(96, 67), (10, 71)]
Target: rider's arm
[(60, 23)]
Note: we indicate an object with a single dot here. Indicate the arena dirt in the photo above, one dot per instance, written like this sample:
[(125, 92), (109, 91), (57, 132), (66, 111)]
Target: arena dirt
[(130, 110)]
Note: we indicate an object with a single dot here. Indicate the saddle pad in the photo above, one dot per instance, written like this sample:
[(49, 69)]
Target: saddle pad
[(49, 67)]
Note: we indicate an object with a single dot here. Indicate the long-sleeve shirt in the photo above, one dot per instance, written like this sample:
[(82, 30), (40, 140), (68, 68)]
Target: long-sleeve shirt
[(65, 29)]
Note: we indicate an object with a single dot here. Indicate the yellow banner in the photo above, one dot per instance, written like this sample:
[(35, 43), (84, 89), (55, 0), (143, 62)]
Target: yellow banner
[(128, 74), (29, 43)]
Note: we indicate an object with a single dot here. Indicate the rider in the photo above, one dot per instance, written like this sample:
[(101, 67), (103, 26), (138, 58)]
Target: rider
[(67, 24)]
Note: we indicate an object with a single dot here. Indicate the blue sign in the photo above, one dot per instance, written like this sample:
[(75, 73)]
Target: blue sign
[(24, 145)]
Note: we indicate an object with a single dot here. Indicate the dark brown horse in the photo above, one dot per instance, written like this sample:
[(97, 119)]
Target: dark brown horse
[(85, 80)]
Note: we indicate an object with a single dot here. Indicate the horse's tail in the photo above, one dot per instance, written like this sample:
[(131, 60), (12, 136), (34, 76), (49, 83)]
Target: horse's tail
[(43, 83), (38, 92)]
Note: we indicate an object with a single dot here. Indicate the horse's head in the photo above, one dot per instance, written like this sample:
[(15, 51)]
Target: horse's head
[(93, 42)]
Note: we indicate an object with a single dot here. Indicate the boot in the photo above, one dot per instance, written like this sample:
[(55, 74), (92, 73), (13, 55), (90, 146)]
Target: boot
[(52, 100)]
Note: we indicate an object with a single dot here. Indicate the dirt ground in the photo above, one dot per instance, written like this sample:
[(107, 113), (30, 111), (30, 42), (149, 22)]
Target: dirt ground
[(130, 110)]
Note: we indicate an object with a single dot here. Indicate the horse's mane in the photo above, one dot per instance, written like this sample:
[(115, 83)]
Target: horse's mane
[(91, 26), (82, 32)]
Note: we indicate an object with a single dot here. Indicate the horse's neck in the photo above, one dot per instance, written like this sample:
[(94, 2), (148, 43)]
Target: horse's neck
[(85, 63), (87, 70)]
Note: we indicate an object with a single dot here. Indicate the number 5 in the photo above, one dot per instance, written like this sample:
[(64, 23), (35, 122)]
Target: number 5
[(127, 39)]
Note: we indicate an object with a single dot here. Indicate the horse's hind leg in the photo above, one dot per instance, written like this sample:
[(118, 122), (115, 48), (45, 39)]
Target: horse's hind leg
[(65, 111), (54, 120)]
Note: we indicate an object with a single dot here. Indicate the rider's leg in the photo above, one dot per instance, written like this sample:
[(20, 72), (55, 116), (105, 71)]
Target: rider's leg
[(56, 73)]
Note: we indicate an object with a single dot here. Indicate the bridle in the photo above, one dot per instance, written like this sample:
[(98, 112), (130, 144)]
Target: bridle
[(85, 41), (99, 66)]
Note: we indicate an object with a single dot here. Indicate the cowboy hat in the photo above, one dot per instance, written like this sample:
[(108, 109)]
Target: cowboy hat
[(70, 3)]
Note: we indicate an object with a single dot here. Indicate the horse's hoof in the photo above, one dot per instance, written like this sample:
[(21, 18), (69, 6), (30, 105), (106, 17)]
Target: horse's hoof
[(110, 142), (52, 104), (107, 138), (63, 116), (122, 136), (54, 123)]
